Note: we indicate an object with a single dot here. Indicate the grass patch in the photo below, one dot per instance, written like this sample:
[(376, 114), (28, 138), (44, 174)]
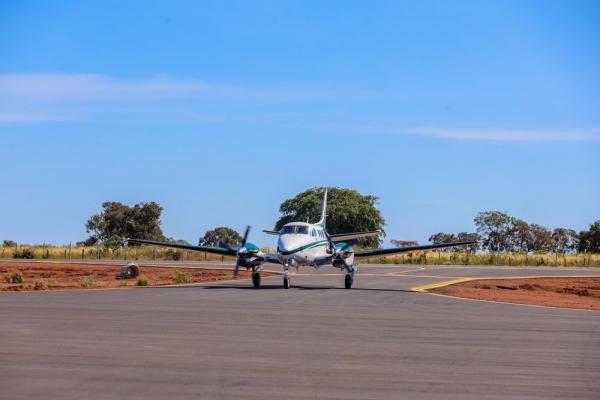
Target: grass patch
[(39, 285), (17, 277), (143, 281), (181, 277), (122, 283), (87, 282)]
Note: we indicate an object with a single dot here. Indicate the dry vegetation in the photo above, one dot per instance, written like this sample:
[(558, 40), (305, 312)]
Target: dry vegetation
[(508, 259)]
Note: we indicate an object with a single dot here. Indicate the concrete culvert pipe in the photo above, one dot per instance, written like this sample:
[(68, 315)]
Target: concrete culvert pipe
[(130, 271)]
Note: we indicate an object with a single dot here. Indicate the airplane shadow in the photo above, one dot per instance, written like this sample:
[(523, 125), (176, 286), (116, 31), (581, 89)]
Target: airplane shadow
[(300, 287)]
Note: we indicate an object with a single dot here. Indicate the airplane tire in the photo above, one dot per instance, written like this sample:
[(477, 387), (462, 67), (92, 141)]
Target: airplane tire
[(348, 281), (256, 280), (286, 283)]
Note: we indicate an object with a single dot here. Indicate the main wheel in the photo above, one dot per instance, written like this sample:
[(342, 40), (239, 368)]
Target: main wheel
[(348, 281), (286, 282), (256, 279)]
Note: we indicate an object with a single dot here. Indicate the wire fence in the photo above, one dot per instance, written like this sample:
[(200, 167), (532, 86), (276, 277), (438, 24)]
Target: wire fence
[(156, 253)]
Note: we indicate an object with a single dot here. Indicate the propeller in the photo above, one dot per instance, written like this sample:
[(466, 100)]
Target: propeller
[(241, 251)]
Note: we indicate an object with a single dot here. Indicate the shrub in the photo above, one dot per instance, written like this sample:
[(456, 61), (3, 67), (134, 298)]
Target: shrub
[(17, 277), (86, 282), (39, 285), (143, 281), (181, 277), (9, 243), (122, 283), (24, 253), (174, 255)]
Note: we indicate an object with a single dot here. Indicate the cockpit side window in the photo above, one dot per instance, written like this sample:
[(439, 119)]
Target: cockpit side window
[(302, 230), (287, 229)]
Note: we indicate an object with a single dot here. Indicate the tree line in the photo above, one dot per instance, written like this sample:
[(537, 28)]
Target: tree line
[(348, 211), (499, 232)]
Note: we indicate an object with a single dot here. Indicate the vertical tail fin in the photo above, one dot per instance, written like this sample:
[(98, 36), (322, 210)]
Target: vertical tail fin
[(323, 210)]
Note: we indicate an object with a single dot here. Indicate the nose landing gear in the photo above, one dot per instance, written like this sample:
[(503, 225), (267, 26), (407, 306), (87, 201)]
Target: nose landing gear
[(286, 279)]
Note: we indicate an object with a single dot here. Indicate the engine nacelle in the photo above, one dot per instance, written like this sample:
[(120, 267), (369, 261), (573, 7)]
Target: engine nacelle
[(249, 255), (344, 256)]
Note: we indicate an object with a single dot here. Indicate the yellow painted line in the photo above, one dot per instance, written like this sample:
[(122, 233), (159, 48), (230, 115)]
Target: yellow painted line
[(425, 288), (506, 302), (408, 270)]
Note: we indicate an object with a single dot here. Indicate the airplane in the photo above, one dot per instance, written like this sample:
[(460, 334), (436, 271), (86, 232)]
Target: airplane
[(301, 244)]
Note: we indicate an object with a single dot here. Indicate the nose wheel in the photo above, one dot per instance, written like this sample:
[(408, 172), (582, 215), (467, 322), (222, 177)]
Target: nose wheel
[(286, 279)]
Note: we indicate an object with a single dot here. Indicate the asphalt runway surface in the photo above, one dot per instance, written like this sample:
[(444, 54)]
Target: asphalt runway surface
[(316, 340)]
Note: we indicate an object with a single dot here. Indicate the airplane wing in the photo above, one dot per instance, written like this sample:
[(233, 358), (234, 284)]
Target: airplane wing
[(271, 232), (265, 257), (397, 250), (206, 249), (354, 235)]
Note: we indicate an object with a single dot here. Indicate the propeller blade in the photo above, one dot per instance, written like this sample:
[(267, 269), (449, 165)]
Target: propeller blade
[(241, 249), (245, 236), (236, 268)]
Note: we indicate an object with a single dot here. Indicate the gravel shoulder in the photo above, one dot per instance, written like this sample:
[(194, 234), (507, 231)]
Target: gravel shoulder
[(580, 292), (61, 276)]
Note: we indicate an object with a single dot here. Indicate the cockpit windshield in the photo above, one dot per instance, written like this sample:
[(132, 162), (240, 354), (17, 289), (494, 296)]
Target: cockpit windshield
[(297, 229)]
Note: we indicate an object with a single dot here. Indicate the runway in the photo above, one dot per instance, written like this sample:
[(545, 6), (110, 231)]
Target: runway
[(315, 341)]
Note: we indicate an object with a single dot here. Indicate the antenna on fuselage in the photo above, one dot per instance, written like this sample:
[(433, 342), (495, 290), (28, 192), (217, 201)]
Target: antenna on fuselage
[(323, 210)]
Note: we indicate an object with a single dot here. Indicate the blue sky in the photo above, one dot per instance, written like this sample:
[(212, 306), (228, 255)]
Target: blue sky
[(221, 110)]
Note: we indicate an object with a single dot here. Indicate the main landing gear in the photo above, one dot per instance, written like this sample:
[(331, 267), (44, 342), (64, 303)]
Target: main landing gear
[(256, 280), (349, 280)]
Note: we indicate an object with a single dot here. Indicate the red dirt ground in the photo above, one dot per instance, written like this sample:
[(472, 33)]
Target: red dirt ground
[(49, 276), (581, 293)]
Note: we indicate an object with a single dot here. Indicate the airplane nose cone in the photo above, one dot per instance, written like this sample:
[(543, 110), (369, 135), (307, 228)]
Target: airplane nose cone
[(287, 244)]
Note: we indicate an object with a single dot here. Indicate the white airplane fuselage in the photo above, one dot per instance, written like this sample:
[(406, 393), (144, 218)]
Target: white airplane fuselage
[(301, 243)]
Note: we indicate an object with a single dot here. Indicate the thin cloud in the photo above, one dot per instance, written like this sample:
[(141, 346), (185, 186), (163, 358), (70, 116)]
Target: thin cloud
[(64, 87), (72, 97), (592, 134)]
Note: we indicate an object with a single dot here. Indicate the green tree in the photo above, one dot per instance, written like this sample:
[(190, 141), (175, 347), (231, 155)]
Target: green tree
[(117, 220), (521, 236), (442, 237), (9, 243), (221, 237), (495, 228), (564, 240), (347, 211), (468, 237), (541, 238), (589, 241)]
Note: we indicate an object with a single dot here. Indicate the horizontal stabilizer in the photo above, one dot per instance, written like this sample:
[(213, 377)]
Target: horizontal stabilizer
[(398, 250), (270, 232), (354, 235)]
